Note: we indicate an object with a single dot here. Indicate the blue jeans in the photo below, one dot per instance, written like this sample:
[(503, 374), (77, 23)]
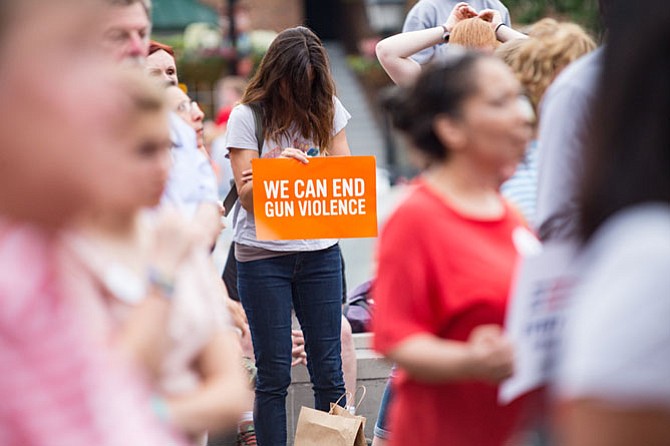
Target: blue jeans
[(311, 282), (382, 427)]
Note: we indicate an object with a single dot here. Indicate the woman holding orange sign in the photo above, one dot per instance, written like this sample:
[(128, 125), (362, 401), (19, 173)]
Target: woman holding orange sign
[(300, 118)]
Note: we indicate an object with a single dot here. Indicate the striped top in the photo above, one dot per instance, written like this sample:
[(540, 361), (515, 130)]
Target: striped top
[(521, 188)]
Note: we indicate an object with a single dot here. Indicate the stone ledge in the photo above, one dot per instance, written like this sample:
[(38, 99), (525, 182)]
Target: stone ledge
[(373, 372), (370, 365)]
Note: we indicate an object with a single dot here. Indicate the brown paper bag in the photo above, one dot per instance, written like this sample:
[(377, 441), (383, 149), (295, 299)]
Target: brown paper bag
[(335, 428), (342, 412)]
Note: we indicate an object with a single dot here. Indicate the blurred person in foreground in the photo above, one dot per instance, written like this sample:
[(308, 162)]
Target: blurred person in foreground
[(192, 188), (613, 376), (161, 65), (566, 124), (443, 282), (60, 385), (536, 62), (124, 253)]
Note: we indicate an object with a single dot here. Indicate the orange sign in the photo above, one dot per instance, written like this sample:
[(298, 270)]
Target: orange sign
[(331, 197)]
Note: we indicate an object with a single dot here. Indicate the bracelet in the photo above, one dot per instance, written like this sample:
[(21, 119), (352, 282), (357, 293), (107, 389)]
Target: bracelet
[(162, 282), (498, 27), (160, 409), (445, 34)]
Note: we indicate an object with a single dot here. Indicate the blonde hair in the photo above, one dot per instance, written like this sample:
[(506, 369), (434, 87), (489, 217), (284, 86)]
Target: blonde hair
[(546, 26), (537, 61), (474, 33)]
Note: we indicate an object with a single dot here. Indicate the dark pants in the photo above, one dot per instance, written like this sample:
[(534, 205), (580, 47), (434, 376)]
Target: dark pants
[(311, 282)]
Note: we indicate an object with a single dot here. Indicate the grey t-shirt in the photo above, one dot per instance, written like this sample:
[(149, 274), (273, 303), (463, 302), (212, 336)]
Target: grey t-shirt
[(431, 13), (242, 135), (565, 126)]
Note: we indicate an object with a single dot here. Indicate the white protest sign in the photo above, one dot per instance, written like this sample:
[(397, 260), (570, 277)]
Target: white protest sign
[(536, 317)]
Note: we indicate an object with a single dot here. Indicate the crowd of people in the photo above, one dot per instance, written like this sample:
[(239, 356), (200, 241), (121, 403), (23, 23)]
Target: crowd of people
[(116, 328), (563, 144)]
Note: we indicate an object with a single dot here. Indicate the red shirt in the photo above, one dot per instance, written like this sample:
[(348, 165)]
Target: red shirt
[(444, 274)]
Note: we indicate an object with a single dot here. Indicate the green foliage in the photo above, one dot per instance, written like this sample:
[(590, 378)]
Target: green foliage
[(369, 71), (583, 12)]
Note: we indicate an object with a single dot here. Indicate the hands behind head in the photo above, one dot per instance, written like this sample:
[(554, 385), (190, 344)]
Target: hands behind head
[(463, 11), (492, 16)]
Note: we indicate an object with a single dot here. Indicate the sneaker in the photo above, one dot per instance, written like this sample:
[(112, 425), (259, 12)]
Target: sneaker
[(246, 435)]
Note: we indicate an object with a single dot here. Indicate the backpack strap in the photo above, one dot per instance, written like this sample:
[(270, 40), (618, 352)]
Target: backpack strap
[(257, 111)]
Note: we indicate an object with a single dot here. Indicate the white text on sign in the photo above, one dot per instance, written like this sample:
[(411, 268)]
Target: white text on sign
[(311, 197)]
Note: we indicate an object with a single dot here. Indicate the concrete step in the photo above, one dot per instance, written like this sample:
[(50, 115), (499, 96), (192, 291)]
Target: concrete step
[(363, 341)]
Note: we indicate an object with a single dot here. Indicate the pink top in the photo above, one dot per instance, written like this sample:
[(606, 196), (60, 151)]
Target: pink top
[(197, 313), (59, 385)]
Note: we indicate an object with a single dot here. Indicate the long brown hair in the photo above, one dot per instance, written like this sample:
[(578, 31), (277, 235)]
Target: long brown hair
[(294, 85)]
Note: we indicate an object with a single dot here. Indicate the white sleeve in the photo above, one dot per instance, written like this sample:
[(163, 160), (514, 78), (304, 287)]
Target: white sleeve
[(341, 117), (617, 344), (241, 129)]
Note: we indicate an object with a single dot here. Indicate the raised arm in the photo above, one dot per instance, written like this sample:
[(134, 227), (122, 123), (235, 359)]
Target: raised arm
[(502, 30), (394, 52)]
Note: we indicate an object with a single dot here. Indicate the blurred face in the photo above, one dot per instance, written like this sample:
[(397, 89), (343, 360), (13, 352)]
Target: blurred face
[(125, 32), (58, 133), (494, 125), (142, 164), (188, 110), (161, 65)]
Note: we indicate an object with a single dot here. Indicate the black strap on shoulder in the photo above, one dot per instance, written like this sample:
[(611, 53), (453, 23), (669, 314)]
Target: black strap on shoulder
[(257, 111)]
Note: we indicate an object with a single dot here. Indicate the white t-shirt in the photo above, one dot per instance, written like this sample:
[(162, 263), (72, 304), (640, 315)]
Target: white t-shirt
[(242, 135), (617, 342)]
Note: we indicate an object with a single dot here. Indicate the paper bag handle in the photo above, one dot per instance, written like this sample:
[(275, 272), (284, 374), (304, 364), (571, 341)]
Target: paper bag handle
[(365, 391), (349, 395)]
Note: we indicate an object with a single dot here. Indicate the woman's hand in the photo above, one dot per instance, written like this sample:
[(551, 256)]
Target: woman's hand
[(247, 175), (491, 354), (298, 350), (461, 11), (173, 239), (492, 16), (238, 316), (296, 154)]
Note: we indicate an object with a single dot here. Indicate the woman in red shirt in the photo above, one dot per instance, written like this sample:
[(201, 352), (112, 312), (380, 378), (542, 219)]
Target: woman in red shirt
[(446, 256)]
